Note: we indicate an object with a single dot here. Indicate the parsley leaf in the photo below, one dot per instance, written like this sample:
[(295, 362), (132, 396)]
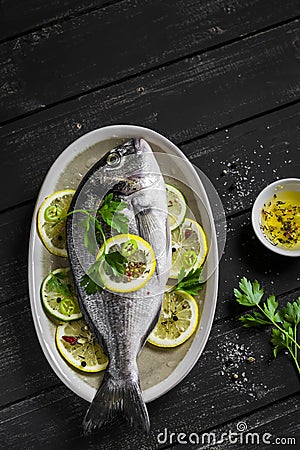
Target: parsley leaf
[(270, 309), (116, 262), (91, 281), (254, 319), (189, 283), (57, 284), (291, 312), (120, 223), (181, 275), (251, 293), (89, 234), (110, 213), (278, 340)]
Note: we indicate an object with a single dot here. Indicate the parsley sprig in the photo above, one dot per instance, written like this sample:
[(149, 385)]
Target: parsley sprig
[(110, 213), (91, 281), (58, 284), (190, 282), (284, 320)]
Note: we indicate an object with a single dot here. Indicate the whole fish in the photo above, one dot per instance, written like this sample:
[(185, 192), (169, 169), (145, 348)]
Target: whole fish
[(122, 322)]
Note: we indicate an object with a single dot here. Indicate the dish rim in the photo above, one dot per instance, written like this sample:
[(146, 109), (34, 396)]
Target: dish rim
[(71, 380)]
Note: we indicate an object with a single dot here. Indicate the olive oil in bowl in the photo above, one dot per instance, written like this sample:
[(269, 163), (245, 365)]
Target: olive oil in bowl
[(280, 219)]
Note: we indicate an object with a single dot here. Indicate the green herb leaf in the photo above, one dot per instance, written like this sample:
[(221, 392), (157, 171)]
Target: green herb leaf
[(57, 284), (288, 328), (89, 234), (181, 274), (254, 319), (116, 261), (91, 281), (189, 283), (120, 223), (250, 294), (110, 213), (270, 308), (278, 340), (291, 312)]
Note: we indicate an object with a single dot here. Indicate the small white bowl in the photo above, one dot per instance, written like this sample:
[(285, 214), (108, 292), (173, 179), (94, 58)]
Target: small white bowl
[(287, 184)]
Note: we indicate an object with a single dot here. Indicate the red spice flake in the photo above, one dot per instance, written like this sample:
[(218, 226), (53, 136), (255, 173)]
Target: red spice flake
[(70, 339), (187, 233)]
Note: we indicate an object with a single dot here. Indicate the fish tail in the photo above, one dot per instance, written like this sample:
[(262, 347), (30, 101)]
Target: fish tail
[(113, 397)]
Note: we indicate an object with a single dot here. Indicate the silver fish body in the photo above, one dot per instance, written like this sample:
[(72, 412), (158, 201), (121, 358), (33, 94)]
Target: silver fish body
[(122, 322)]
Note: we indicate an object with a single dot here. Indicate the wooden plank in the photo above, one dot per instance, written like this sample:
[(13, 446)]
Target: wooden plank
[(242, 160), (14, 238), (66, 60), (274, 424), (16, 19), (246, 256), (245, 17), (24, 370), (177, 101), (54, 417)]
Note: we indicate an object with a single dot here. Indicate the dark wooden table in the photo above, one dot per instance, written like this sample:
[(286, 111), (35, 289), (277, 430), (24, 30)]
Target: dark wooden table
[(221, 79)]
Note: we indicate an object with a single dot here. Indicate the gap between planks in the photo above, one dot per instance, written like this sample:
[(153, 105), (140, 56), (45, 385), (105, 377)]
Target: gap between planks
[(237, 123), (60, 20), (150, 70), (199, 137), (243, 418)]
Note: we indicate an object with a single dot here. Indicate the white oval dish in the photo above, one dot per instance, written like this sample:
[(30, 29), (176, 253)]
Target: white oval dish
[(45, 331), (286, 184)]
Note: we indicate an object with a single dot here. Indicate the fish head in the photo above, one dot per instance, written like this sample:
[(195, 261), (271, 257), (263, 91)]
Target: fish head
[(131, 167)]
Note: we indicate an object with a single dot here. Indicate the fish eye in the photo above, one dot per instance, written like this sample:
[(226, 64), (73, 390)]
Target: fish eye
[(113, 159)]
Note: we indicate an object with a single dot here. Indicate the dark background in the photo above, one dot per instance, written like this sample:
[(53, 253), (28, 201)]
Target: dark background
[(219, 78)]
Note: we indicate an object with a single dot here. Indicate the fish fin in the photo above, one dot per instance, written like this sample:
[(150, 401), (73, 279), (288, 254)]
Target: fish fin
[(148, 226), (113, 397), (134, 407), (147, 223)]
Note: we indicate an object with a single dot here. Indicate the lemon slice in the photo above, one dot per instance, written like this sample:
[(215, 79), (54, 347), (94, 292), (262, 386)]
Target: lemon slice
[(189, 247), (138, 269), (176, 206), (53, 234), (178, 320), (78, 347), (59, 297)]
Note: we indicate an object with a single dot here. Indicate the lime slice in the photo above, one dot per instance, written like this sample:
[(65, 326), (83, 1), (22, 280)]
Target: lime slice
[(78, 347), (59, 297), (176, 206), (178, 320), (53, 234), (189, 247), (120, 273)]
